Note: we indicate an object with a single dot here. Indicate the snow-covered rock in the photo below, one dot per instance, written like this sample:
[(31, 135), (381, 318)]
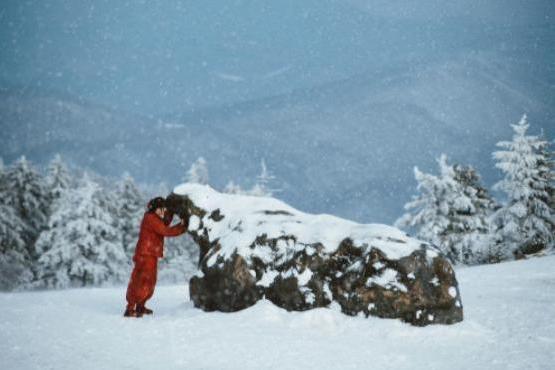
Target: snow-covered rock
[(255, 247)]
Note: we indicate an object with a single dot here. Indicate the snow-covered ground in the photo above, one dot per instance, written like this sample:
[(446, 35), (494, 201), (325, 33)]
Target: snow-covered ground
[(509, 324)]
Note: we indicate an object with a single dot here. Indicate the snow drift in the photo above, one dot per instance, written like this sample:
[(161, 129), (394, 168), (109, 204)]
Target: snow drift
[(254, 247)]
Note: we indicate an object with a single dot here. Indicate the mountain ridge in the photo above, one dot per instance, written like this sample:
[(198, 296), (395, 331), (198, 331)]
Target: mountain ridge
[(346, 148)]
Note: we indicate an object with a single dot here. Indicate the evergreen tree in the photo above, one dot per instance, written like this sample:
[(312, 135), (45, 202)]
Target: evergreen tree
[(180, 260), (131, 207), (262, 186), (427, 212), (198, 173), (81, 246), (472, 209), (15, 261), (526, 222), (3, 185), (232, 188), (450, 212), (24, 190), (58, 178), (547, 163)]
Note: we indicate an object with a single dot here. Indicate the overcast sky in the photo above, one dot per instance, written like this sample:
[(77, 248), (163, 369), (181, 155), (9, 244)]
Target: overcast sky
[(159, 57)]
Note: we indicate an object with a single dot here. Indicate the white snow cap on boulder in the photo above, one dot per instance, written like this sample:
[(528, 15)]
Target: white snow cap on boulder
[(246, 217)]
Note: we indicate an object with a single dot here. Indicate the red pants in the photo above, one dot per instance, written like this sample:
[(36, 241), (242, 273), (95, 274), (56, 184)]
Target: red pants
[(142, 282)]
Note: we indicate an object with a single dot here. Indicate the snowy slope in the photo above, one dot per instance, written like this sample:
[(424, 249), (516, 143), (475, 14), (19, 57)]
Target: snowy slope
[(509, 310)]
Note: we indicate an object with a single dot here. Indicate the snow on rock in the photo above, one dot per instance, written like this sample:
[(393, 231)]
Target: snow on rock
[(388, 278), (256, 247)]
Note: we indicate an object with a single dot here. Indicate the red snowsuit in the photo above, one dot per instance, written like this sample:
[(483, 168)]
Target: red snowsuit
[(149, 248)]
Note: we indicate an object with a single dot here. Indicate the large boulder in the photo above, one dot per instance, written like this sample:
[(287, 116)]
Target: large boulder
[(254, 247)]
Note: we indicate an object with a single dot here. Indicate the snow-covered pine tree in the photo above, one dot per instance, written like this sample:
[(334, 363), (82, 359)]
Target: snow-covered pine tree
[(472, 209), (427, 212), (180, 260), (2, 177), (526, 222), (24, 190), (131, 207), (81, 246), (198, 173), (262, 186), (15, 261), (57, 181), (107, 198), (450, 212), (233, 188), (58, 178), (3, 185), (551, 190), (548, 164)]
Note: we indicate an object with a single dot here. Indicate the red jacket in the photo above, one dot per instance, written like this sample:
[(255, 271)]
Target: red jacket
[(153, 231)]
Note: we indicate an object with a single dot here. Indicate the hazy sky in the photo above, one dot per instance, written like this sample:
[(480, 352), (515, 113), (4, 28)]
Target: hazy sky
[(157, 57), (363, 90)]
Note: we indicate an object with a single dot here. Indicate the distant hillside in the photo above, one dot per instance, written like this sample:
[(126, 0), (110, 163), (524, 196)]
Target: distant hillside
[(346, 148)]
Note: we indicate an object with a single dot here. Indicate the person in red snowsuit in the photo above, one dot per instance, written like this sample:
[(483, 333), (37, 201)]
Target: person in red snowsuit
[(150, 247)]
